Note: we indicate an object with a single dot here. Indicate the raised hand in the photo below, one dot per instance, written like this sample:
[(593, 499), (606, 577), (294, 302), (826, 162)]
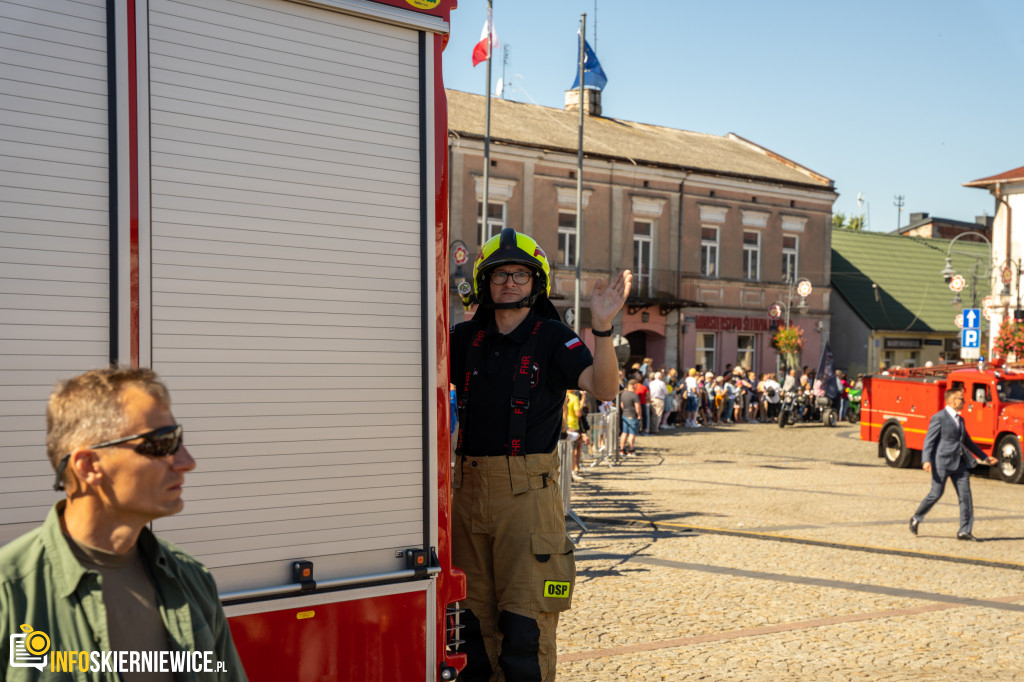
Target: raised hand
[(607, 300)]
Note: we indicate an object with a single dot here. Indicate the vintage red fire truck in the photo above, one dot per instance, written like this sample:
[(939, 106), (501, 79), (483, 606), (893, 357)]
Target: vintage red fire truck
[(896, 409), (248, 196)]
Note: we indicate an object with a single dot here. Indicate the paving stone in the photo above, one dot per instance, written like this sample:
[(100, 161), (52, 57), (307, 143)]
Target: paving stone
[(656, 602)]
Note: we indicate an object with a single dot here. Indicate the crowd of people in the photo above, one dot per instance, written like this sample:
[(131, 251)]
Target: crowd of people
[(651, 400), (667, 399)]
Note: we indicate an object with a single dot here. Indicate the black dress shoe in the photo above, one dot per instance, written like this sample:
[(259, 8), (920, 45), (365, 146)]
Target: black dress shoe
[(914, 523), (967, 536)]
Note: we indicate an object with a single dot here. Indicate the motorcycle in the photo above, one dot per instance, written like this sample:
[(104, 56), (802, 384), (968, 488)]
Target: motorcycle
[(829, 414), (853, 409), (796, 407)]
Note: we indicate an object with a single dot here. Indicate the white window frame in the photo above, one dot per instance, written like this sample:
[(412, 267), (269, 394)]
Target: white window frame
[(494, 225), (752, 257), (791, 255), (709, 253), (704, 351), (752, 351), (569, 233), (644, 242)]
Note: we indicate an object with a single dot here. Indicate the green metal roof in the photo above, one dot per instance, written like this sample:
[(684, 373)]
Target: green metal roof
[(911, 295)]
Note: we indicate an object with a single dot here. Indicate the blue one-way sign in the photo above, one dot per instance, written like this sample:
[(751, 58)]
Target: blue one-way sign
[(972, 318)]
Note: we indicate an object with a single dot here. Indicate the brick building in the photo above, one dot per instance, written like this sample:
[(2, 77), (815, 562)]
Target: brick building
[(708, 224), (933, 227)]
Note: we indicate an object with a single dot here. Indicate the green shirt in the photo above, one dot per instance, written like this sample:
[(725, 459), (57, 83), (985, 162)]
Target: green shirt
[(44, 586)]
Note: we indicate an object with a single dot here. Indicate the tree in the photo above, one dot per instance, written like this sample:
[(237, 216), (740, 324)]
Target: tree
[(841, 222)]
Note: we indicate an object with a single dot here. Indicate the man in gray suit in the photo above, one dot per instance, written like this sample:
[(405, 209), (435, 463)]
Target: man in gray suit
[(945, 455)]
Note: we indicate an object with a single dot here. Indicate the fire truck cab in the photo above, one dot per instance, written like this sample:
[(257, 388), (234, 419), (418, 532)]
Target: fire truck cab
[(896, 409)]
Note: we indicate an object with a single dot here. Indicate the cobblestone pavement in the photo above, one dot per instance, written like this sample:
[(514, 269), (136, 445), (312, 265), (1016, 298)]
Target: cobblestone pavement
[(749, 552)]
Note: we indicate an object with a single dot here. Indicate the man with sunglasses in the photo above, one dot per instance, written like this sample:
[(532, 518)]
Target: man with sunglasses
[(93, 577), (511, 366)]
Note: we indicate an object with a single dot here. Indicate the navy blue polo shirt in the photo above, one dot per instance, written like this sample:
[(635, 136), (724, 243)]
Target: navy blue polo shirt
[(557, 362)]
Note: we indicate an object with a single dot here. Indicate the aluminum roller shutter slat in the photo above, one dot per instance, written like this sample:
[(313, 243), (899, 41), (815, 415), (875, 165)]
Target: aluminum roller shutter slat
[(298, 188), (341, 372), (11, 287), (189, 156), (241, 330), (269, 464), (288, 154), (207, 342), (369, 273), (179, 161), (298, 30), (254, 60), (96, 161), (321, 291), (285, 383), (307, 513), (293, 99), (233, 133)]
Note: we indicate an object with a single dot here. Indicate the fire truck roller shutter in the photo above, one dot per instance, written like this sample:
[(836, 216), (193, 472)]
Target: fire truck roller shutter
[(892, 445), (54, 231), (287, 277)]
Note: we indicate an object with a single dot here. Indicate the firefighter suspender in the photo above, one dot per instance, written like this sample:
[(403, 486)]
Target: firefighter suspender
[(520, 402)]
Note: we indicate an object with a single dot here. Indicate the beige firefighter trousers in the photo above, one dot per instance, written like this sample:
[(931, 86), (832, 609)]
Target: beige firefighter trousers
[(508, 535)]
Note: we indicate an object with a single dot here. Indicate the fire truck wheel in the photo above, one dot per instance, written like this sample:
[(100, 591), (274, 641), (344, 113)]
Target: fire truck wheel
[(1009, 455), (893, 446)]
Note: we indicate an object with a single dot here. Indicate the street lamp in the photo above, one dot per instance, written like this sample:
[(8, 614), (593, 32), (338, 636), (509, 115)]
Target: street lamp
[(779, 309), (803, 288), (949, 273), (1007, 276)]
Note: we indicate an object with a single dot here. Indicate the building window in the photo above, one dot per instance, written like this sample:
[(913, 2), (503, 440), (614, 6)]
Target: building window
[(495, 218), (790, 257), (746, 346), (887, 359), (642, 258), (706, 352), (567, 239), (912, 358), (709, 251), (751, 255)]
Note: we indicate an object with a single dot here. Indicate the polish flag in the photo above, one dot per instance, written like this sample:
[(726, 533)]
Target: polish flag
[(480, 52)]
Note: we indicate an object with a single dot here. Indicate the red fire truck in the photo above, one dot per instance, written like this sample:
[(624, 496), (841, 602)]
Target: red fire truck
[(896, 409), (248, 196)]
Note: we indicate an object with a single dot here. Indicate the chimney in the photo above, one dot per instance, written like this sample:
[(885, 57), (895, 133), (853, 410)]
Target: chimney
[(983, 220), (591, 100), (914, 217)]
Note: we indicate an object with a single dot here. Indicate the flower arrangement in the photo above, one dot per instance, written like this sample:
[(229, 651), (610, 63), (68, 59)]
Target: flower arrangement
[(789, 341), (1010, 341)]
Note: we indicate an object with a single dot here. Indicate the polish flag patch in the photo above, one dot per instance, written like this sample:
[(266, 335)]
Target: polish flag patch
[(573, 343)]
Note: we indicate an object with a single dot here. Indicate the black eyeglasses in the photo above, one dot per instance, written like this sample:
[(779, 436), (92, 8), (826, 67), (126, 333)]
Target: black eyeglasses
[(500, 277), (156, 443)]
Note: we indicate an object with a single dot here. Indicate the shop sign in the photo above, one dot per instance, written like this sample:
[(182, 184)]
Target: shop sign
[(902, 344), (725, 323)]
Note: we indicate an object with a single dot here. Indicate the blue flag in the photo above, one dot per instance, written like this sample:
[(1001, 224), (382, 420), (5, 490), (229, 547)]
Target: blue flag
[(593, 74)]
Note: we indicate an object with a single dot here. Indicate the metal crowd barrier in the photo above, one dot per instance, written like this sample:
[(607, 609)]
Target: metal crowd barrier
[(603, 447)]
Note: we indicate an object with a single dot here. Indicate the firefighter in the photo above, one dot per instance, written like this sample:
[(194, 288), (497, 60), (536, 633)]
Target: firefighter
[(511, 365)]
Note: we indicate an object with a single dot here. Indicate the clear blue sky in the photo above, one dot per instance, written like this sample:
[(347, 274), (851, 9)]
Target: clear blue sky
[(913, 97)]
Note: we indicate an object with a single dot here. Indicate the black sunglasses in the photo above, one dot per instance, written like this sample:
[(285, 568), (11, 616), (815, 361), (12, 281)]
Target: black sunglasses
[(156, 443)]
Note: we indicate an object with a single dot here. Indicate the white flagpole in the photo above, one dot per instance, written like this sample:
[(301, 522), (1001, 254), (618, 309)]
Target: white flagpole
[(579, 187), (487, 133)]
